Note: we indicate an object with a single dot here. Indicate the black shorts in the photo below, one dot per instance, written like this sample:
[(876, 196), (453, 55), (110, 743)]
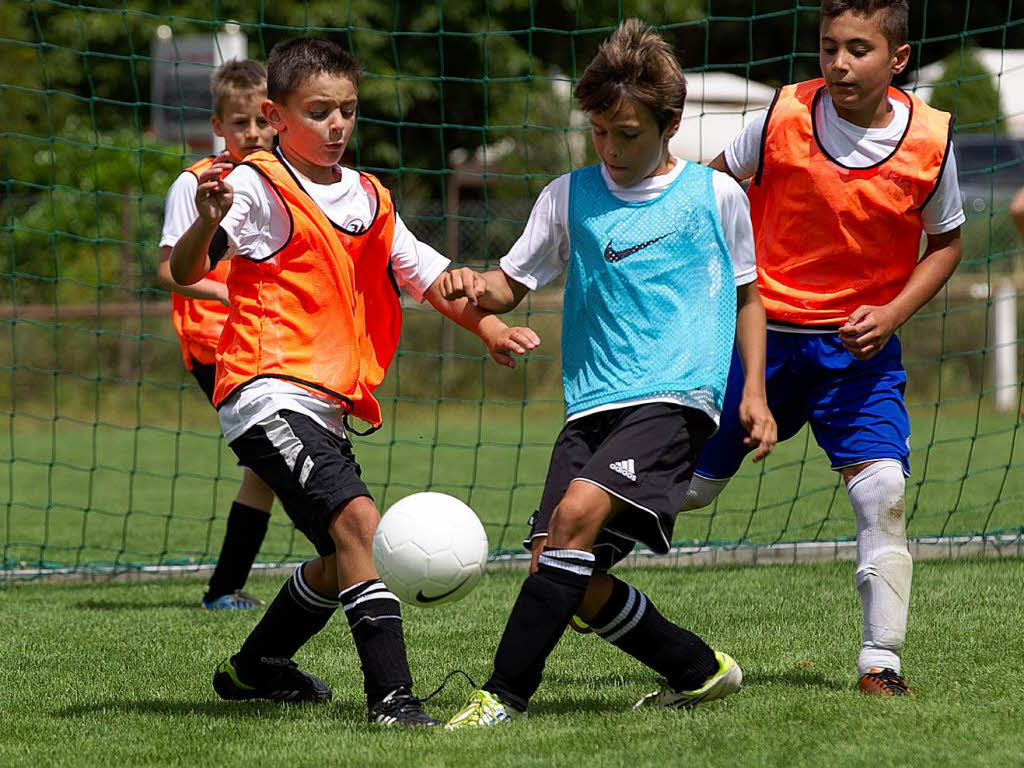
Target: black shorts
[(206, 377), (311, 470), (643, 455)]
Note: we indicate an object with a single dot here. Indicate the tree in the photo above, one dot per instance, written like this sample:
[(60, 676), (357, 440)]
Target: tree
[(965, 89)]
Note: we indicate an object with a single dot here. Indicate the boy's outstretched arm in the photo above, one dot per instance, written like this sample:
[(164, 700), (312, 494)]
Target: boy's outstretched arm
[(502, 341), (207, 289), (493, 290), (754, 413), (190, 260), (869, 328), (719, 164)]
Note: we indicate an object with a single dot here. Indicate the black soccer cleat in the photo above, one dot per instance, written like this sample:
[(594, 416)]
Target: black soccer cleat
[(400, 707), (273, 679)]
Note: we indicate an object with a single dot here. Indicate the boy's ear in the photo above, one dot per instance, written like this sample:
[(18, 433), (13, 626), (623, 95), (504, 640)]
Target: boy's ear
[(900, 58), (672, 127), (272, 112), (218, 125)]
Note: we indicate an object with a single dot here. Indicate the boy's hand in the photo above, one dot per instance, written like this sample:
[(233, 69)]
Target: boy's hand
[(463, 282), (505, 342), (214, 195), (757, 419), (222, 294), (867, 330)]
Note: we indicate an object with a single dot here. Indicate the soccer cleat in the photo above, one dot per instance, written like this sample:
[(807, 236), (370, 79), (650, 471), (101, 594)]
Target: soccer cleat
[(400, 707), (234, 601), (482, 709), (279, 680), (728, 679), (884, 682)]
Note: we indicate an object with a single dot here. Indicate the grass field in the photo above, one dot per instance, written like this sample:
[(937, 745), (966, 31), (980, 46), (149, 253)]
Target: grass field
[(114, 674), (78, 492)]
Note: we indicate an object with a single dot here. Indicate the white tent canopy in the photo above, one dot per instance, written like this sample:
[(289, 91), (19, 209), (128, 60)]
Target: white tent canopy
[(718, 106)]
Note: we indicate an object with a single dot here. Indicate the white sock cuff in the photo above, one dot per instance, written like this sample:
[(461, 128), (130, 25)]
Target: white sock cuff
[(703, 491), (306, 596)]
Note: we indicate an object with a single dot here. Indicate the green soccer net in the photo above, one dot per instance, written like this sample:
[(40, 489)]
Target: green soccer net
[(114, 459)]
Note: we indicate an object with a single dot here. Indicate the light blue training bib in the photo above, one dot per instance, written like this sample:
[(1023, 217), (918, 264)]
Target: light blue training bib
[(650, 298)]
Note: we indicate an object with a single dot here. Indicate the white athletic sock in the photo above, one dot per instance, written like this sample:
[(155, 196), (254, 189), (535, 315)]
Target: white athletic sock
[(702, 492), (884, 564)]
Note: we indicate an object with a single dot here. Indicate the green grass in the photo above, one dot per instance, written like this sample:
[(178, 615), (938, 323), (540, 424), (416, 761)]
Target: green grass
[(118, 674), (78, 492)]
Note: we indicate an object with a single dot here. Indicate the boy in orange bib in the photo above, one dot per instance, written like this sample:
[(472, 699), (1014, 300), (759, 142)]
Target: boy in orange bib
[(200, 310), (847, 173), (319, 255)]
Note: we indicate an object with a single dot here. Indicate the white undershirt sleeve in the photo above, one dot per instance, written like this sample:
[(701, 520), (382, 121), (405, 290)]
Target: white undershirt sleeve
[(179, 209), (415, 264), (734, 213), (945, 211), (248, 222), (744, 151), (542, 251)]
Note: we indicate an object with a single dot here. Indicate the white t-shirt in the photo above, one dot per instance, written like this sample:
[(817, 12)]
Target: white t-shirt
[(179, 208), (542, 252), (257, 225), (858, 147)]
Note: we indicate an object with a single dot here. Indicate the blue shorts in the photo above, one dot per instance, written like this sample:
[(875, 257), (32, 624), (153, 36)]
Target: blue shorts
[(855, 407)]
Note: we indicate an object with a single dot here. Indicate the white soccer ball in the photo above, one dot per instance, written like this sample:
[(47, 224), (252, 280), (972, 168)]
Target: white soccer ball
[(430, 549)]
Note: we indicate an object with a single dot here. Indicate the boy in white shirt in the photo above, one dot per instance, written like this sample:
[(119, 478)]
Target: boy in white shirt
[(847, 173), (318, 257), (199, 312), (660, 286)]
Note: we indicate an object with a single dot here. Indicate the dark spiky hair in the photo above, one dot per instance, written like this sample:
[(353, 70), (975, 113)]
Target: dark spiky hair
[(894, 16), (294, 62)]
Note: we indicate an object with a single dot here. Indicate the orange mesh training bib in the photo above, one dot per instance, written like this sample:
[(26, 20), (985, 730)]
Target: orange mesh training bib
[(828, 238), (198, 322), (323, 311)]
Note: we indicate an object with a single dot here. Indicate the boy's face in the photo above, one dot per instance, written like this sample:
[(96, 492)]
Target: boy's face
[(856, 61), (241, 124), (628, 141), (317, 119)]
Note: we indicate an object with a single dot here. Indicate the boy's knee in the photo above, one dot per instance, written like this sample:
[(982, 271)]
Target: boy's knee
[(354, 523), (573, 524)]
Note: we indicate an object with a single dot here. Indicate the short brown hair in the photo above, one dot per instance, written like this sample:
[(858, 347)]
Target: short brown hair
[(236, 76), (637, 64), (295, 61), (895, 16)]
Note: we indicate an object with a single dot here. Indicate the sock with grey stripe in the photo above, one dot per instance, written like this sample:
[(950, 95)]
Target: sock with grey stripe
[(375, 616), (546, 602), (630, 622), (295, 615)]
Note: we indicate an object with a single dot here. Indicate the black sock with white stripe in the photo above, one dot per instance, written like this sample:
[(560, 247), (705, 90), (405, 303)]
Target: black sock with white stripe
[(546, 602), (295, 615), (375, 616), (630, 622)]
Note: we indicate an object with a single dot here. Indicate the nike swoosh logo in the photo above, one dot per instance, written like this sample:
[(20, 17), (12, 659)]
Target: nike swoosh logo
[(610, 254), (421, 598)]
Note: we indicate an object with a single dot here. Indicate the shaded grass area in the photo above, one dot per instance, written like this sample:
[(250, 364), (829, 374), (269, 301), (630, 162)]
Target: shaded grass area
[(78, 492), (118, 674)]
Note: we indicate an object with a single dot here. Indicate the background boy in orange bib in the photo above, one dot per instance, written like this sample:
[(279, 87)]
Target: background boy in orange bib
[(847, 173), (200, 310), (318, 257)]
